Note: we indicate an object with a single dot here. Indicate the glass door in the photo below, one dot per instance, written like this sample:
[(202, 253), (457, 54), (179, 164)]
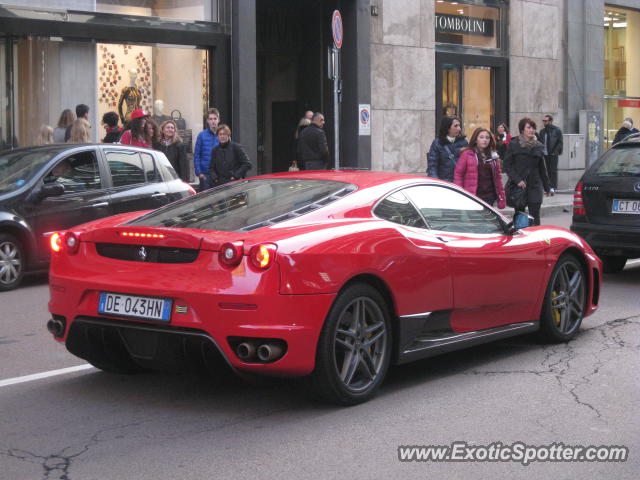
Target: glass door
[(467, 91), (473, 88)]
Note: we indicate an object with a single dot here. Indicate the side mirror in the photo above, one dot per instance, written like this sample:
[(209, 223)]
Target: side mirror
[(51, 190), (521, 220)]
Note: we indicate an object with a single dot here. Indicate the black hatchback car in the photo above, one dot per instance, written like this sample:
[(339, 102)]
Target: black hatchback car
[(606, 205), (54, 187)]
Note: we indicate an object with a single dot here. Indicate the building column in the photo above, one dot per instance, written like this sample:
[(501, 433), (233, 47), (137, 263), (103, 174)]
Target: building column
[(244, 103)]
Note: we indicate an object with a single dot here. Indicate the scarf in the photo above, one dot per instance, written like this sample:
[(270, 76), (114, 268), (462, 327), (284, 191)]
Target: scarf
[(451, 139), (528, 144)]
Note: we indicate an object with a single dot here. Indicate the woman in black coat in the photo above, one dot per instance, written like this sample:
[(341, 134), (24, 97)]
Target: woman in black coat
[(445, 150), (524, 165), (229, 161), (174, 148)]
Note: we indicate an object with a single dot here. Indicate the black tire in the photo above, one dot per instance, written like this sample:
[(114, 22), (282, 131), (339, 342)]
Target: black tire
[(12, 262), (564, 301), (613, 263), (352, 361)]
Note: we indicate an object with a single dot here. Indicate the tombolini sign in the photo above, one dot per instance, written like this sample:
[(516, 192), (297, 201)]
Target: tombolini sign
[(464, 25)]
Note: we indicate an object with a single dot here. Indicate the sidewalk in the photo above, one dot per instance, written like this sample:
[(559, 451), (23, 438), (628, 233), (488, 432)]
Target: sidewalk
[(561, 201)]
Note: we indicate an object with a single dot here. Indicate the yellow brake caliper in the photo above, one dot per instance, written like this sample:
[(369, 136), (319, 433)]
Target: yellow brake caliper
[(554, 311)]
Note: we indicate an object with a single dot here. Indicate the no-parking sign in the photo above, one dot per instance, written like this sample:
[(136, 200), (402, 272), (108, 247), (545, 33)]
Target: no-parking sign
[(364, 119), (336, 29)]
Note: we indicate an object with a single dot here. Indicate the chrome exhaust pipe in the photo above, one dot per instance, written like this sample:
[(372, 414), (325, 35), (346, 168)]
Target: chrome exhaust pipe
[(246, 351), (55, 327), (268, 352)]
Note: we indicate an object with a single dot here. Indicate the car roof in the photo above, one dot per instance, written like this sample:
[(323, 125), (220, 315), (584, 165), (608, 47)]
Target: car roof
[(56, 148), (634, 138), (360, 178)]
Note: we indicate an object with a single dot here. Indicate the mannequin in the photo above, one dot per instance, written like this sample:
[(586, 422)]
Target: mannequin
[(130, 96), (158, 112)]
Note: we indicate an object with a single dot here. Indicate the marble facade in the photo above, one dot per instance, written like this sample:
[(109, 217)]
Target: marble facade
[(403, 96)]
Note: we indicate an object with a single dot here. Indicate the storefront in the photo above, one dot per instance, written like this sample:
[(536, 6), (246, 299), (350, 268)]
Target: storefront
[(170, 58), (471, 62), (622, 70)]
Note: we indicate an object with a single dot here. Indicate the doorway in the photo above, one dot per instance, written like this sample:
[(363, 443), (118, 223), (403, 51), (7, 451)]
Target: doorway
[(472, 88)]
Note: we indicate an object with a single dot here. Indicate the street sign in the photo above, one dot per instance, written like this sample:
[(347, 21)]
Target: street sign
[(336, 29), (364, 119)]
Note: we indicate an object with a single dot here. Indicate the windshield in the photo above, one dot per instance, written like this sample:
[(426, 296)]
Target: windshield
[(248, 205), (622, 161), (18, 167)]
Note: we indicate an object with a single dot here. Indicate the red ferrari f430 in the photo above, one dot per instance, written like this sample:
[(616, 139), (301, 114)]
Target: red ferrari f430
[(330, 275)]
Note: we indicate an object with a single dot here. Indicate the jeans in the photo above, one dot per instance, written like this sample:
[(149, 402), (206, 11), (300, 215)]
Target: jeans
[(551, 162)]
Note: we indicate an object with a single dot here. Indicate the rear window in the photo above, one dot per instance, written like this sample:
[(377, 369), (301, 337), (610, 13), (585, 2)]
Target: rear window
[(621, 161), (248, 205)]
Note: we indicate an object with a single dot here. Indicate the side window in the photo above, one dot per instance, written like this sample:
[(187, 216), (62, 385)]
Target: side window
[(397, 209), (77, 173), (150, 168), (448, 210), (126, 168)]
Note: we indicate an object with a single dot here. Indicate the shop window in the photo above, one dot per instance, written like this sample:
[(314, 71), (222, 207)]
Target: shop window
[(51, 75), (621, 81), (205, 10)]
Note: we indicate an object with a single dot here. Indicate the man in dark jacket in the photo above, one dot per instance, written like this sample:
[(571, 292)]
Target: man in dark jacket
[(551, 139), (312, 151), (229, 161)]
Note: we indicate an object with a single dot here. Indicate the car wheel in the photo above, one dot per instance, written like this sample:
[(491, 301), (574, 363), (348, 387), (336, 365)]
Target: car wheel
[(354, 349), (613, 264), (564, 301), (12, 262)]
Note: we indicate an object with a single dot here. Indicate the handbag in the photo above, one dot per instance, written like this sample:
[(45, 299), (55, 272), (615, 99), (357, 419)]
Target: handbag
[(521, 220), (294, 167), (516, 197)]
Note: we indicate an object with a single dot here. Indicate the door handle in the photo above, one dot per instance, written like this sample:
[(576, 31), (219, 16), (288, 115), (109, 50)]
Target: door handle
[(158, 194), (98, 205), (442, 239)]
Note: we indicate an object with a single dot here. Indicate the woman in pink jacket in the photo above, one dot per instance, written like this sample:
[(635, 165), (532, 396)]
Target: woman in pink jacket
[(478, 169)]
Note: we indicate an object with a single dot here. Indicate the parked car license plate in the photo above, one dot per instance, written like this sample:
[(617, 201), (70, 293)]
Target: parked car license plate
[(148, 308), (625, 206)]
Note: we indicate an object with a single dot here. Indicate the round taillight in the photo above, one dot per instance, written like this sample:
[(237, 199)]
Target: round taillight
[(55, 242), (231, 253), (72, 243), (263, 255)]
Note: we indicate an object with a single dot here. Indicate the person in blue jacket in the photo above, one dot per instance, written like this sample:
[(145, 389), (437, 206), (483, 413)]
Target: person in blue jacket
[(445, 149), (207, 140)]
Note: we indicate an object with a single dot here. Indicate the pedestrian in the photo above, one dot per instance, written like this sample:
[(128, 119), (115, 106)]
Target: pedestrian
[(229, 161), (525, 166), (171, 144), (308, 115), (82, 111), (66, 119), (445, 149), (502, 139), (551, 138), (312, 151), (478, 169), (152, 131), (110, 123), (625, 130), (205, 143), (80, 131), (137, 135), (45, 136)]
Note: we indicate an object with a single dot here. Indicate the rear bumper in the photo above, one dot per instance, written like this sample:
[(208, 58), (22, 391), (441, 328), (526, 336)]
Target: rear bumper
[(210, 317), (610, 239)]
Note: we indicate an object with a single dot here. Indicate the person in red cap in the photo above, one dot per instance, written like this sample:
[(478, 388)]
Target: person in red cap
[(136, 136)]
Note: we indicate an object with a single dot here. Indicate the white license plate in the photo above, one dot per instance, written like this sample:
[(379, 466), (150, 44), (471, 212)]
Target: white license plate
[(625, 206), (148, 308)]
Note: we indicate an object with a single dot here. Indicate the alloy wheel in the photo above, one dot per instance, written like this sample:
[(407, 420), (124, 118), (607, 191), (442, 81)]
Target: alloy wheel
[(10, 263), (567, 297), (360, 344)]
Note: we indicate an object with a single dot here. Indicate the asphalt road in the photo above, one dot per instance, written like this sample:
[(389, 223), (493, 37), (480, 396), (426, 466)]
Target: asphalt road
[(91, 425)]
